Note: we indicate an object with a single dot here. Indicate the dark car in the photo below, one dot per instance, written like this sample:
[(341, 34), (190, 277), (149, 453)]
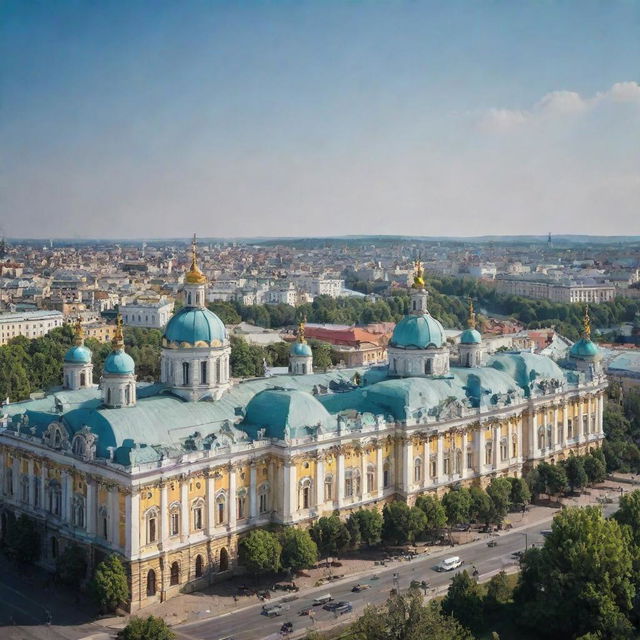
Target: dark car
[(345, 607), (332, 606), (287, 627), (361, 587)]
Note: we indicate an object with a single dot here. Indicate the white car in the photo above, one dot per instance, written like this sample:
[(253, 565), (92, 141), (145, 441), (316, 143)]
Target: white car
[(449, 564), (327, 597)]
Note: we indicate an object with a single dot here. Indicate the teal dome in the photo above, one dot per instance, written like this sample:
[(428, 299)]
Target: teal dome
[(119, 363), (79, 354), (583, 349), (418, 332), (300, 349), (284, 412), (470, 336), (196, 326)]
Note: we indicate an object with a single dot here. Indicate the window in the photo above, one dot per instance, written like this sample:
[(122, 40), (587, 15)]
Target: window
[(569, 428), (458, 462), (417, 470), (469, 459), (447, 465), (185, 373), (108, 398), (83, 379), (199, 566), (514, 446), (433, 467), (152, 527), (218, 368), (386, 475), (55, 498), (263, 499), (36, 492), (305, 493), (79, 447), (78, 511), (54, 548), (221, 504), (370, 479), (428, 367), (593, 424), (328, 488), (504, 449), (104, 523), (174, 522), (175, 574), (242, 505), (197, 516), (203, 372), (24, 489), (348, 484), (151, 583), (127, 395), (541, 438), (488, 453), (585, 425)]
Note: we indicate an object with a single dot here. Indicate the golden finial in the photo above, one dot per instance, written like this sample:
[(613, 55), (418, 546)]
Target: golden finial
[(78, 333), (301, 331), (418, 278), (471, 321), (194, 275), (586, 324), (117, 343)]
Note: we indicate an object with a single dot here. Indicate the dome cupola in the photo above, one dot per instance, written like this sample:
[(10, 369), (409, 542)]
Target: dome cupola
[(471, 349), (77, 366), (300, 355), (118, 373), (585, 348)]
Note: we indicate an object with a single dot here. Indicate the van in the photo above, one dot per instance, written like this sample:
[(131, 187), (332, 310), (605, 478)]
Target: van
[(448, 564), (322, 599)]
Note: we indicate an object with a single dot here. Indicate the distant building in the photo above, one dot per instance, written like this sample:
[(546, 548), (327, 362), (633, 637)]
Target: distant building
[(100, 331), (355, 347), (555, 291), (31, 324), (149, 314)]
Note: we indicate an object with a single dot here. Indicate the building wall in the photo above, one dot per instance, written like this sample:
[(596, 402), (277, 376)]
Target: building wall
[(30, 325)]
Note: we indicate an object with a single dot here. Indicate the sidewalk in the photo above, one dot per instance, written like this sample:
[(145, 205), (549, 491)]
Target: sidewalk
[(217, 600)]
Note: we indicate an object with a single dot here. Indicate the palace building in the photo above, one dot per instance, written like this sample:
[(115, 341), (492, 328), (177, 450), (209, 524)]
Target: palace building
[(170, 475)]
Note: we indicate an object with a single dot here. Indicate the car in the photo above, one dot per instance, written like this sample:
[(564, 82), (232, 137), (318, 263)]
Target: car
[(546, 532), (323, 599), (274, 610), (331, 606), (449, 564), (345, 607), (360, 587), (305, 611), (287, 627)]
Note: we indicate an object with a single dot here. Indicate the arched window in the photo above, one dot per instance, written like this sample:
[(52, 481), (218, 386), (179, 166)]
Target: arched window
[(78, 511), (175, 574), (199, 566), (386, 475), (109, 396), (104, 523), (263, 498), (446, 462), (218, 371), (151, 583), (57, 439), (185, 373), (328, 488), (8, 481), (241, 503), (83, 379), (221, 508), (488, 452), (371, 479), (514, 446), (305, 493), (569, 428), (152, 526), (468, 359), (504, 449), (127, 395), (197, 511), (174, 519), (79, 446), (433, 464), (224, 560), (417, 470), (55, 498), (189, 298), (549, 436)]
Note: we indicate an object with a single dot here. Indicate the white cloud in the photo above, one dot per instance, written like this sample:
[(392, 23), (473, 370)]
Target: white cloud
[(558, 104)]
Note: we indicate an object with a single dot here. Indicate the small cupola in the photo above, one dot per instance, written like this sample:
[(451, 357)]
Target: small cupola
[(300, 355), (118, 374), (472, 351), (77, 367)]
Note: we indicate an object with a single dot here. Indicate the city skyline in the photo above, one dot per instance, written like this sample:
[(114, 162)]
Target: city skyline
[(319, 119)]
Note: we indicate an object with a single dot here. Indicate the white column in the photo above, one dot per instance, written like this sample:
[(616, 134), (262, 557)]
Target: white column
[(91, 507), (600, 412), (185, 512), (164, 514), (363, 474), (589, 410), (533, 435), (379, 472), (496, 446), (68, 496), (480, 446), (340, 479), (114, 512), (253, 496), (426, 466), (32, 483), (565, 422), (465, 444), (132, 524), (580, 419), (211, 502), (319, 482), (407, 465), (290, 502), (43, 486), (231, 506), (440, 459), (15, 480)]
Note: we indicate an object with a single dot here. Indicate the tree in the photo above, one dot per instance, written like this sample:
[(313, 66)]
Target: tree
[(23, 540), (321, 355), (71, 565), (110, 585), (402, 523), (260, 552), (520, 493), (435, 513), (481, 505), (555, 479), (353, 527), (151, 628), (576, 476), (581, 581), (299, 551), (226, 312), (330, 535), (499, 490), (405, 617), (628, 514), (498, 591), (463, 601), (595, 469), (370, 523), (457, 503)]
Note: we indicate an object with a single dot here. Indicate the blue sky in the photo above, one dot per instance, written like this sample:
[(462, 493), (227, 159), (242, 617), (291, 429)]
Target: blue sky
[(158, 118)]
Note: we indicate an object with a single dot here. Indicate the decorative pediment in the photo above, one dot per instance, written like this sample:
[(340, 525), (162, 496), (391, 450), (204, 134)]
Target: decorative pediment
[(56, 436)]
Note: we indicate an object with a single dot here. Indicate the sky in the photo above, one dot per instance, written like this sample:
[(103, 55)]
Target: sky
[(314, 118)]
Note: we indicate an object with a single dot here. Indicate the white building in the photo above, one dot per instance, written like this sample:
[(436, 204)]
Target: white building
[(30, 324), (147, 313)]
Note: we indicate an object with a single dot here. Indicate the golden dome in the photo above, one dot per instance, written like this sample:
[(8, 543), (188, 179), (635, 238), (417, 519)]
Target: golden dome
[(418, 278), (194, 275)]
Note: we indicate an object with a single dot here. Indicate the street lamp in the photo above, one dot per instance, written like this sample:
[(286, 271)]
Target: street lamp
[(526, 541)]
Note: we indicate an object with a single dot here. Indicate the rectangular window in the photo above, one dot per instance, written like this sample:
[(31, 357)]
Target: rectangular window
[(203, 372), (469, 459), (175, 524), (197, 518), (263, 503), (585, 425), (220, 512), (434, 468), (242, 502), (152, 530), (446, 466), (569, 428), (328, 490)]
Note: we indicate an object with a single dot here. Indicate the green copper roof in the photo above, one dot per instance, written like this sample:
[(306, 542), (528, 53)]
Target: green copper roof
[(78, 354), (527, 368), (584, 349), (300, 349), (119, 363), (470, 336), (193, 325), (418, 332)]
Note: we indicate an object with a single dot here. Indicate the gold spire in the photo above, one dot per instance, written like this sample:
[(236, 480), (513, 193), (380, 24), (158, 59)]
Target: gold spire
[(418, 278), (301, 331), (194, 275), (78, 333), (586, 324), (471, 321), (117, 343)]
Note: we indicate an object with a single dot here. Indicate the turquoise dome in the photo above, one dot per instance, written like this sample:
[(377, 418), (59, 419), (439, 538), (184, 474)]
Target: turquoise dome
[(583, 349), (418, 332), (196, 326), (284, 411), (300, 349), (119, 363), (78, 354), (470, 336)]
